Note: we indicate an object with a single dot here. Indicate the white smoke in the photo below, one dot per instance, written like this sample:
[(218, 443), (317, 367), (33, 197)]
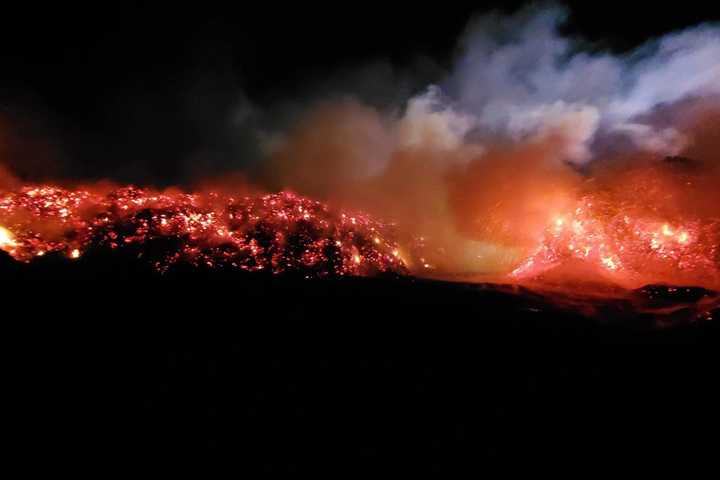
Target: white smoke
[(572, 125), (478, 162), (430, 123), (519, 78)]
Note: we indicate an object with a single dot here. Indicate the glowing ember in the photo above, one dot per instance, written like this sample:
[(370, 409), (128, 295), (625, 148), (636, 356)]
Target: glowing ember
[(6, 239), (616, 235), (277, 232), (629, 246)]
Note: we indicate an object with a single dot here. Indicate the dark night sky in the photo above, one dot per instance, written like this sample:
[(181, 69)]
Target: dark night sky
[(131, 91)]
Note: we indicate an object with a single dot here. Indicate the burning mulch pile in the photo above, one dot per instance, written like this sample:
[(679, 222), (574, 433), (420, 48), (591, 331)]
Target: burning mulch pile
[(278, 233)]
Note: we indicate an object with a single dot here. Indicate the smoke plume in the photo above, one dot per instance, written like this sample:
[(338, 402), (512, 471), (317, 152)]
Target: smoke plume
[(525, 122)]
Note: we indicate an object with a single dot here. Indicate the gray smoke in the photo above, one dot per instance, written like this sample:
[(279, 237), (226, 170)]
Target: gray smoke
[(520, 78), (477, 162)]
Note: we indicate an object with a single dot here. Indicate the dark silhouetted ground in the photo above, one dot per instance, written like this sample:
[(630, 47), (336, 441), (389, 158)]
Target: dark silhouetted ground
[(349, 376)]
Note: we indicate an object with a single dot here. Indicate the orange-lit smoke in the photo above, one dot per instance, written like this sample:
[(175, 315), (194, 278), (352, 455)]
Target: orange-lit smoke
[(532, 161), (535, 157), (516, 210)]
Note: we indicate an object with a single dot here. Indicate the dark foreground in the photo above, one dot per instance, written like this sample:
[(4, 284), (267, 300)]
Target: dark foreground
[(369, 376)]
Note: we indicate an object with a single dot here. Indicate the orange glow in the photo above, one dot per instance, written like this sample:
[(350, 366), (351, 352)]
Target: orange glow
[(276, 232), (630, 238), (648, 227), (6, 238)]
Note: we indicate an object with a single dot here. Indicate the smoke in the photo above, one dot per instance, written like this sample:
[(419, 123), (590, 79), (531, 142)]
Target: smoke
[(478, 163), (520, 77)]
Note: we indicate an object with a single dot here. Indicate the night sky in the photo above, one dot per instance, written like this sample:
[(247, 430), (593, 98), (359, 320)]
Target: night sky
[(147, 93)]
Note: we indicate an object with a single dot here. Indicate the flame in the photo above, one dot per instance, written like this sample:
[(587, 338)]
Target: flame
[(625, 238), (627, 245), (7, 239)]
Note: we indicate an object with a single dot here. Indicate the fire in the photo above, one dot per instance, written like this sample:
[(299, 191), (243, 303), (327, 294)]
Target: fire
[(274, 232), (6, 239), (628, 245), (622, 237)]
